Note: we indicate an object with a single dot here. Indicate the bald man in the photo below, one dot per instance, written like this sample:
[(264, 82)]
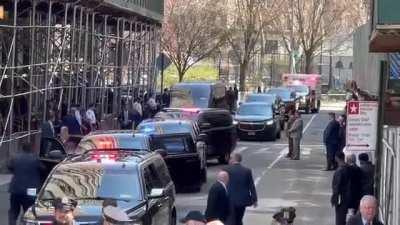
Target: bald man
[(218, 206), (367, 214)]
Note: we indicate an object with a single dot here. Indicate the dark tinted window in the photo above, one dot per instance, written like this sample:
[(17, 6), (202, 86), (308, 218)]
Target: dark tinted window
[(86, 182), (255, 110), (282, 93), (152, 179), (261, 98), (165, 128), (173, 145), (299, 88)]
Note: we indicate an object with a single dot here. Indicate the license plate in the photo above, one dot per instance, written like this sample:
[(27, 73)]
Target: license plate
[(251, 133)]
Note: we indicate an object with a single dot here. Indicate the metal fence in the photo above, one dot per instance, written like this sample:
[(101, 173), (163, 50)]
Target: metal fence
[(389, 185), (57, 53)]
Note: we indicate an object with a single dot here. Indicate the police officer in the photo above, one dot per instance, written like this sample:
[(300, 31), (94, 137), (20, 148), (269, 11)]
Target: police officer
[(115, 216), (64, 211)]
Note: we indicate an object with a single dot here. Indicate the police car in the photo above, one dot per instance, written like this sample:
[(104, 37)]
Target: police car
[(137, 181)]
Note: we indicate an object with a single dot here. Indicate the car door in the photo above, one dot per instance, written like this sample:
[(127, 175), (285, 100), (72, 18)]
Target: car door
[(158, 209)]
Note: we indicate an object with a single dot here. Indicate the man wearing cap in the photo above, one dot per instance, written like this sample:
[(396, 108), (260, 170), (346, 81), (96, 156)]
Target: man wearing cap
[(194, 218), (64, 211), (115, 216)]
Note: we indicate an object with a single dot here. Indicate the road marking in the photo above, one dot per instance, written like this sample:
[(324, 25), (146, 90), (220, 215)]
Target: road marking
[(261, 150), (281, 155), (241, 149)]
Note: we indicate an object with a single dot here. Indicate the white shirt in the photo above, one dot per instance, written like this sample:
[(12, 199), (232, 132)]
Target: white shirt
[(365, 222), (78, 117), (138, 107), (226, 190), (91, 116)]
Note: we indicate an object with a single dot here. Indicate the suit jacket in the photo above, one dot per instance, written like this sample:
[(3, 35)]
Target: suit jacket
[(26, 169), (218, 204), (341, 193), (241, 188), (357, 220), (47, 131), (73, 126), (355, 175), (296, 130), (331, 133), (367, 181)]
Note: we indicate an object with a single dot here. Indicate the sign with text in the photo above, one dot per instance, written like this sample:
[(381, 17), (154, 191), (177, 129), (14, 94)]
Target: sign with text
[(362, 125)]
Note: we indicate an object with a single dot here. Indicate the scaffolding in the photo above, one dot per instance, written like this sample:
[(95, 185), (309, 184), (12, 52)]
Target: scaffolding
[(57, 53)]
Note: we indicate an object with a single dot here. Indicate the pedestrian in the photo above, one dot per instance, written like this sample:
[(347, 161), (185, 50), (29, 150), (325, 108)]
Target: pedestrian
[(296, 133), (194, 218), (236, 96), (26, 170), (331, 141), (47, 131), (368, 174), (91, 117), (230, 98), (355, 176), (289, 124), (259, 90), (218, 205), (64, 211), (241, 188), (342, 132), (113, 215), (137, 106), (70, 121), (125, 118), (85, 123), (367, 214), (341, 195), (166, 98)]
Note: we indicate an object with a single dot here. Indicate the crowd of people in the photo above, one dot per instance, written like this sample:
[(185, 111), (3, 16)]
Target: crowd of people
[(351, 182)]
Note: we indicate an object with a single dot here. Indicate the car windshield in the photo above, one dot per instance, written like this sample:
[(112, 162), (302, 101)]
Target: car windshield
[(261, 98), (164, 128), (86, 181), (282, 93), (299, 88), (131, 141), (255, 110), (190, 96)]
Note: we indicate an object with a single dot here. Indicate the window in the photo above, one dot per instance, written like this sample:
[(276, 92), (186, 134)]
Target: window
[(152, 178), (163, 172)]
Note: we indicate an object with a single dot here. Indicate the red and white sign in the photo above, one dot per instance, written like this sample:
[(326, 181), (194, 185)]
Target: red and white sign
[(362, 126)]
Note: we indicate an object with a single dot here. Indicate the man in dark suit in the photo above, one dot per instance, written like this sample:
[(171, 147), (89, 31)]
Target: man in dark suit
[(241, 188), (218, 205), (341, 193), (355, 175), (331, 141), (26, 169), (368, 170), (367, 214), (47, 131), (70, 121)]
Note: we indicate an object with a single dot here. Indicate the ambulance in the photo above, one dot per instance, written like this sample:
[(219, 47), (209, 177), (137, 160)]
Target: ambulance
[(307, 88)]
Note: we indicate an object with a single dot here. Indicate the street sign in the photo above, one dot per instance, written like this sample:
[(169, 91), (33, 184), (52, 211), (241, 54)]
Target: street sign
[(362, 126), (163, 61)]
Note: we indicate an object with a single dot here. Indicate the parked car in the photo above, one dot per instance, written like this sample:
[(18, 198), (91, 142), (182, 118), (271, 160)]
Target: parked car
[(185, 149), (138, 182), (205, 103), (257, 121)]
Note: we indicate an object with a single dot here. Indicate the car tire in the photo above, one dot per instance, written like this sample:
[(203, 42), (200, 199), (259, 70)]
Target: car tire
[(307, 109), (224, 159), (278, 135)]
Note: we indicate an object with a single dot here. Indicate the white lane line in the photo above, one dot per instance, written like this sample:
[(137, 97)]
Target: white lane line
[(241, 149), (281, 155), (261, 150)]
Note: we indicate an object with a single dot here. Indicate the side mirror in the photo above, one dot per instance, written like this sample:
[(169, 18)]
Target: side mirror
[(156, 193), (162, 152), (56, 154)]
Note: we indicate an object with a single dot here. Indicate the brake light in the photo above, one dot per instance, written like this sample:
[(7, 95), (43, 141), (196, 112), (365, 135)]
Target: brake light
[(100, 156)]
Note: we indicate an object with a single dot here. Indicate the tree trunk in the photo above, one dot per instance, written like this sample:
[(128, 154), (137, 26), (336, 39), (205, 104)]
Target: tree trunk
[(308, 62), (180, 75), (242, 75)]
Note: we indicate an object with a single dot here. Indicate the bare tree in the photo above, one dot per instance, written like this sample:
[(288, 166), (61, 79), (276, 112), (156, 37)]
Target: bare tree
[(308, 23), (192, 30), (246, 20)]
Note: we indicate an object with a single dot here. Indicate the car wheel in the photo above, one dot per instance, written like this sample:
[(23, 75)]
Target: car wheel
[(278, 135), (224, 159)]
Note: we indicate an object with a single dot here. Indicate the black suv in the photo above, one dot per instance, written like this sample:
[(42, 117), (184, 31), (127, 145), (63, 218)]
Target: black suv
[(139, 182), (205, 103), (185, 149)]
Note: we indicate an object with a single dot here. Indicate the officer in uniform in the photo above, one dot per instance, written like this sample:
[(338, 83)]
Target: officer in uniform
[(115, 216), (64, 211)]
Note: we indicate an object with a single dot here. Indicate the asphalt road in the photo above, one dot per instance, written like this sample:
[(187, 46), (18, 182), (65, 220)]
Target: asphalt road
[(280, 182)]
